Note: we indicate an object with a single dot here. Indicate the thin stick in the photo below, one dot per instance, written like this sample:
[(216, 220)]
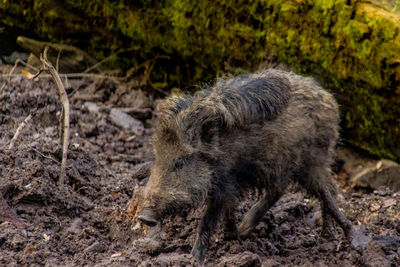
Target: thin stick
[(18, 131), (44, 156), (19, 61), (58, 59), (37, 74), (110, 57), (64, 99), (74, 75)]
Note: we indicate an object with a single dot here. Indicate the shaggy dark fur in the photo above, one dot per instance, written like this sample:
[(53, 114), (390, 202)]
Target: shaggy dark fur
[(260, 131)]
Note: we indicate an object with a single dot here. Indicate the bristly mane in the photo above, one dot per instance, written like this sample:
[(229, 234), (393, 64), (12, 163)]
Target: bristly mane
[(230, 103), (245, 99)]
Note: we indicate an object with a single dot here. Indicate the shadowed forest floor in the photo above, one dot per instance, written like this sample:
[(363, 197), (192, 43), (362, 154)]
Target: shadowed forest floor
[(87, 222)]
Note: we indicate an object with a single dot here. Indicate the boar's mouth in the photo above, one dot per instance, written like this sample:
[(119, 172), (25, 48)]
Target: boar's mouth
[(148, 217)]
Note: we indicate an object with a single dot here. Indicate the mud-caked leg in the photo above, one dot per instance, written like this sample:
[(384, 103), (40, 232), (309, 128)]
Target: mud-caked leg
[(231, 231), (358, 238), (319, 183), (214, 210), (328, 223), (257, 212)]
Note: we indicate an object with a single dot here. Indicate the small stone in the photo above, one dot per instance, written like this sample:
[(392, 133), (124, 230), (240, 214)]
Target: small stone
[(92, 107), (95, 247), (127, 122), (389, 202), (76, 226), (147, 245), (271, 263), (281, 217), (285, 228), (243, 259)]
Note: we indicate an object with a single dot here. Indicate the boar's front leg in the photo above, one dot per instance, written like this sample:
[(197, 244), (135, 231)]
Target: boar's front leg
[(257, 211), (213, 211)]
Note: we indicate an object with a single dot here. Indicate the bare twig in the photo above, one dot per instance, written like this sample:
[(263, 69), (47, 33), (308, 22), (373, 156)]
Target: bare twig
[(37, 74), (58, 59), (65, 104), (96, 65), (12, 70), (110, 57), (74, 75), (18, 131), (19, 61), (44, 156)]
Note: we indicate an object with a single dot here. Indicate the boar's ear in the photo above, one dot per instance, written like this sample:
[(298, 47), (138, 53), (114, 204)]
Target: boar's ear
[(173, 105), (198, 127), (168, 110), (176, 104)]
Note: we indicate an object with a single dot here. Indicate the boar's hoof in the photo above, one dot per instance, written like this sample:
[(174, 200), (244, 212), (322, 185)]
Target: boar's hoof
[(359, 238), (148, 217)]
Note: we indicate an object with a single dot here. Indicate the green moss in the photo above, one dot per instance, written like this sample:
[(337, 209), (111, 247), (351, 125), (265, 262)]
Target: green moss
[(352, 46)]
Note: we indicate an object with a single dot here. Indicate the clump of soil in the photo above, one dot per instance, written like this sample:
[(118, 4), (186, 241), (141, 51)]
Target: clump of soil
[(90, 221)]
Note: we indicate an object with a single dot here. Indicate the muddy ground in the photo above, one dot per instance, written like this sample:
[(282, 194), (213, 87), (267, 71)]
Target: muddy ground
[(88, 220)]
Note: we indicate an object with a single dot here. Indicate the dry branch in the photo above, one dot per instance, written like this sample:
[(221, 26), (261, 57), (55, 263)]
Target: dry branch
[(19, 61), (18, 131), (47, 66), (74, 75)]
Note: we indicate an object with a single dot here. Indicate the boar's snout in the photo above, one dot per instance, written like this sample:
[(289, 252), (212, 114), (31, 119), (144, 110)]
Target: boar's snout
[(148, 217)]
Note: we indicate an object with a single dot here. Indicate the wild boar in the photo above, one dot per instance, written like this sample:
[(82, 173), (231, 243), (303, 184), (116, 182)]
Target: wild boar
[(256, 131)]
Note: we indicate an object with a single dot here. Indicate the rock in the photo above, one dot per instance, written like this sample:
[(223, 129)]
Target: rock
[(127, 122), (368, 172), (170, 259), (245, 259), (95, 247), (76, 225), (14, 56), (285, 228), (281, 217), (92, 107), (148, 245), (271, 263), (389, 202)]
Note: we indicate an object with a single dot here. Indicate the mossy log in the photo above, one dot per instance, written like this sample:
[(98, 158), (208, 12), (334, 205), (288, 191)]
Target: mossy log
[(352, 46), (68, 59)]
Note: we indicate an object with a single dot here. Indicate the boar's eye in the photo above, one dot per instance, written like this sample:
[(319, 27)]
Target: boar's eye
[(178, 164)]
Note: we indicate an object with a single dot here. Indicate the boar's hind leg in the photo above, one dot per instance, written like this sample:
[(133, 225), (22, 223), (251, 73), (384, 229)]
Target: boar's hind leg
[(319, 183), (328, 226), (214, 209), (257, 211), (231, 232)]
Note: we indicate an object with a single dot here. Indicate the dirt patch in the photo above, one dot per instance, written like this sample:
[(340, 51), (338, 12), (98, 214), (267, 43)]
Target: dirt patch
[(89, 221)]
